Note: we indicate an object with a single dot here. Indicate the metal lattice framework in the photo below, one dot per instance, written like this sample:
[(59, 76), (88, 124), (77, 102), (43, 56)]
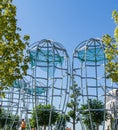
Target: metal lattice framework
[(47, 82), (50, 66), (14, 105), (88, 70)]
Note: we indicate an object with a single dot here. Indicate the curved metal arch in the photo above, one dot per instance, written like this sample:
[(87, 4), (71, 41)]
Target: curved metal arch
[(88, 70), (54, 79), (51, 60), (52, 43)]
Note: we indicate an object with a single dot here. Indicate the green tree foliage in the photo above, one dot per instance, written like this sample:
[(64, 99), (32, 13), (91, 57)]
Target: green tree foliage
[(62, 120), (111, 51), (41, 114), (8, 120), (13, 63), (73, 104), (96, 112)]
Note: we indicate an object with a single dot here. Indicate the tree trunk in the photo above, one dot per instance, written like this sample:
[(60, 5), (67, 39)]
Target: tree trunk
[(44, 127), (73, 124), (97, 126)]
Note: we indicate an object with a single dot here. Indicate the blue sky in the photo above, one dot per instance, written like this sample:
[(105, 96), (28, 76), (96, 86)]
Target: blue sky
[(66, 21)]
